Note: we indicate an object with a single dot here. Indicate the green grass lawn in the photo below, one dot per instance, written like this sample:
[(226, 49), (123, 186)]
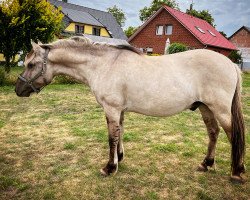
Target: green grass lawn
[(52, 146)]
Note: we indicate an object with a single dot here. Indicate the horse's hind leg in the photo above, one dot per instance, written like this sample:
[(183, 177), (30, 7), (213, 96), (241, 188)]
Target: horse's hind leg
[(225, 121), (213, 132)]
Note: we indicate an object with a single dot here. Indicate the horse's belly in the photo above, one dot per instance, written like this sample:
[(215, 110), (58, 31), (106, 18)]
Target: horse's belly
[(158, 108), (163, 97)]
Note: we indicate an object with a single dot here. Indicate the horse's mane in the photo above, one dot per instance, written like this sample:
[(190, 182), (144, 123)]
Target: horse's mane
[(78, 41)]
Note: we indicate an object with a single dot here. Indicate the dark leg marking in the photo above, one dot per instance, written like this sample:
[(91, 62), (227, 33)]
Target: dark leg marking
[(120, 143), (120, 157), (207, 162), (213, 132), (114, 134)]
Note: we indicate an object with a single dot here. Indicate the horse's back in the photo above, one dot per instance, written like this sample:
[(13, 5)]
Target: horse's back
[(215, 75), (166, 85)]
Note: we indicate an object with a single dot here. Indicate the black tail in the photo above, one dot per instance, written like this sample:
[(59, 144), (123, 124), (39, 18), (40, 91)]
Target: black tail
[(238, 131)]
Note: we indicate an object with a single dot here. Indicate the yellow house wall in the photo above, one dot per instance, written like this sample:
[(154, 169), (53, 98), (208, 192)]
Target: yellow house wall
[(104, 32), (71, 27), (1, 57), (88, 29)]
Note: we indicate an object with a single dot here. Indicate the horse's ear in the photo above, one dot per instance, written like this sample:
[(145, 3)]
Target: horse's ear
[(34, 45), (39, 43)]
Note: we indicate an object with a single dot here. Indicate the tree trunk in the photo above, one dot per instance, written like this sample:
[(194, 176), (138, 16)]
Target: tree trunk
[(7, 64)]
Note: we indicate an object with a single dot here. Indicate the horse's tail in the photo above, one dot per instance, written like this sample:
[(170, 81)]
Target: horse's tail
[(238, 130)]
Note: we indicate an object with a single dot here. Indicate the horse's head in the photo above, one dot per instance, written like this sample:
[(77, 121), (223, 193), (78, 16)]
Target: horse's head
[(37, 72)]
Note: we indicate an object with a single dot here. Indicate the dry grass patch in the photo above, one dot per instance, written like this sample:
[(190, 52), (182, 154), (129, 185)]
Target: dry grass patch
[(52, 146)]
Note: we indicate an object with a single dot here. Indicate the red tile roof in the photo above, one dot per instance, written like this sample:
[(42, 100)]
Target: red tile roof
[(210, 36)]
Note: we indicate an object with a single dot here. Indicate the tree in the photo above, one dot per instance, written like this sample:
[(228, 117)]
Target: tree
[(23, 20), (118, 14), (146, 12), (223, 33), (130, 31), (236, 57), (203, 14), (10, 25)]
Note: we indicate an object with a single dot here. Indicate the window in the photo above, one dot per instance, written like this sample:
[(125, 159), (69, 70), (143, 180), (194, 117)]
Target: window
[(96, 31), (211, 33), (79, 29), (159, 30), (149, 50), (198, 28), (141, 49), (169, 29)]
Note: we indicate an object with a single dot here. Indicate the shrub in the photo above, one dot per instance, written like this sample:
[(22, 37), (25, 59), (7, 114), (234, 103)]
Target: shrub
[(154, 54), (177, 47), (64, 80), (236, 57)]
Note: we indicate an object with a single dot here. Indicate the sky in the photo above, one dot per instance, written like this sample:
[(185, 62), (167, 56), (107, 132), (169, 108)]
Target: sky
[(229, 15)]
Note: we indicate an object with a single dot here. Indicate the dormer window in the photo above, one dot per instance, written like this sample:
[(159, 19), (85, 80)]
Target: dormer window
[(79, 29), (96, 31), (211, 33), (199, 29), (159, 30)]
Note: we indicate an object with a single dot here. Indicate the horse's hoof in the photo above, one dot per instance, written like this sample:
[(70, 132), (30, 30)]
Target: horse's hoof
[(109, 170), (237, 179), (202, 168), (103, 172)]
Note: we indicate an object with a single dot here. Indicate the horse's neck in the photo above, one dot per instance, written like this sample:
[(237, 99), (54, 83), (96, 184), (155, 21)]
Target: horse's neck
[(74, 72), (82, 67)]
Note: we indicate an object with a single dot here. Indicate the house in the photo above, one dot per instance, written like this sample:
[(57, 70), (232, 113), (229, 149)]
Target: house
[(168, 24), (98, 25), (241, 39)]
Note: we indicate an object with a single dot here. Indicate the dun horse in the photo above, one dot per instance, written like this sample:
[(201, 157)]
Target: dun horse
[(122, 79)]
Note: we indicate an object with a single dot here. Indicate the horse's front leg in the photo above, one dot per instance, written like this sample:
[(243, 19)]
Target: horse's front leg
[(114, 129)]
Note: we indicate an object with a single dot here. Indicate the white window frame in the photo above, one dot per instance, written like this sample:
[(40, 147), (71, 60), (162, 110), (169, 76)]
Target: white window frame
[(166, 29), (149, 49), (211, 33), (157, 30), (200, 29)]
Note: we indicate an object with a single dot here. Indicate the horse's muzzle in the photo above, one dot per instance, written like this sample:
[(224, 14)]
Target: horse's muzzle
[(22, 94), (22, 89)]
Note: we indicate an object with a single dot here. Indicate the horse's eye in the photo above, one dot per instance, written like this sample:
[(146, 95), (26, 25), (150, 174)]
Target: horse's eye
[(30, 65)]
